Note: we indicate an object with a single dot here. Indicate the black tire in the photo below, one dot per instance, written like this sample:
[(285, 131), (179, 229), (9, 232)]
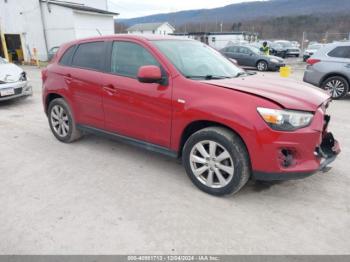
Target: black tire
[(262, 66), (237, 152), (73, 133), (336, 92), (297, 56)]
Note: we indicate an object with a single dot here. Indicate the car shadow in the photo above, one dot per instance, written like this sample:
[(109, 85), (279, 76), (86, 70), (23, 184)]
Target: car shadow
[(15, 102)]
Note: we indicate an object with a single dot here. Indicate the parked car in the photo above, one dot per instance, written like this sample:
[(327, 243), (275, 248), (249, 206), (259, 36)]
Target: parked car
[(289, 47), (249, 56), (278, 50), (182, 98), (312, 49), (13, 81), (295, 43), (275, 49), (329, 69), (52, 52)]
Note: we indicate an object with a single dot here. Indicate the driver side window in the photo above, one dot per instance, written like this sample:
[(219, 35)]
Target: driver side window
[(128, 57), (244, 50)]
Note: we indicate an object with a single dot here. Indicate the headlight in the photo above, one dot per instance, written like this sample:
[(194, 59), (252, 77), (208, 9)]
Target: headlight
[(285, 120), (274, 60)]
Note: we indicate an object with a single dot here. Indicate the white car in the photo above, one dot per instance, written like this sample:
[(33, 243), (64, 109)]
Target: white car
[(13, 81), (311, 50)]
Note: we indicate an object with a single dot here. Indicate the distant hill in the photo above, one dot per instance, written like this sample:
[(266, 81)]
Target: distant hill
[(249, 11)]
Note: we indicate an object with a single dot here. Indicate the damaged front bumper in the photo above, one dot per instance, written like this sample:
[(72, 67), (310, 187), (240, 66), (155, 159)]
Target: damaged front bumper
[(325, 153), (15, 90)]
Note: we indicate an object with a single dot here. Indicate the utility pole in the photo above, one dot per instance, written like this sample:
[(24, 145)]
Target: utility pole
[(3, 42), (221, 24), (303, 41)]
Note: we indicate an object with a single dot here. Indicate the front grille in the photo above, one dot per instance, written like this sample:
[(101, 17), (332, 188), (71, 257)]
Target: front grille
[(18, 91)]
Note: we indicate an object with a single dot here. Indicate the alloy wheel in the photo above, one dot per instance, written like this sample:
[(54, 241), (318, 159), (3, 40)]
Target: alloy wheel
[(335, 88), (212, 164), (60, 121), (262, 66)]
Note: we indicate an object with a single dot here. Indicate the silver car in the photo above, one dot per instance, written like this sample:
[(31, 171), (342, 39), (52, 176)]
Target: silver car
[(13, 81), (329, 68)]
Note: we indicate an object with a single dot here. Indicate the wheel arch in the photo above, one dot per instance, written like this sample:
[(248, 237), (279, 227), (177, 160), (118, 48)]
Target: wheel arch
[(197, 125), (333, 74), (54, 95)]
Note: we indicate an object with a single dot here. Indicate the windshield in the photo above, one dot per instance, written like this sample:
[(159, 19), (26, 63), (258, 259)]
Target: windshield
[(197, 60), (285, 44), (2, 61)]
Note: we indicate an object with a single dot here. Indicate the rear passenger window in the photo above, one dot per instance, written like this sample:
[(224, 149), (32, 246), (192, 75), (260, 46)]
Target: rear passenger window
[(67, 56), (128, 57), (90, 56), (340, 52)]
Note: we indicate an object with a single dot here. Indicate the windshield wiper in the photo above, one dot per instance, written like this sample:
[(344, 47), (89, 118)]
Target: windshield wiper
[(243, 73), (208, 77)]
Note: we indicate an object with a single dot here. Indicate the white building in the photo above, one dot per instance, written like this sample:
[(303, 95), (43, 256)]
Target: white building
[(219, 40), (26, 25), (152, 28)]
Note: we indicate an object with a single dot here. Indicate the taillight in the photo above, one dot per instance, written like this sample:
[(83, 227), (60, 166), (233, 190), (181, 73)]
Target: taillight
[(312, 61), (44, 74)]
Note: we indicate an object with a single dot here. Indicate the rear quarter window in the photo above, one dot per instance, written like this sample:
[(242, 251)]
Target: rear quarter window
[(66, 59), (340, 52), (90, 56)]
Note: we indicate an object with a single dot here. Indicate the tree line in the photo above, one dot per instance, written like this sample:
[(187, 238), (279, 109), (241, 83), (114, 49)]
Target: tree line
[(325, 28)]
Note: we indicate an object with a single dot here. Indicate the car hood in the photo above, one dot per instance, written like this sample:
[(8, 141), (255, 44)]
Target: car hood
[(275, 57), (10, 73), (288, 93)]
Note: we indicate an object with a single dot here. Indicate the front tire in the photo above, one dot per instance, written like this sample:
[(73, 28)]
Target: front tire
[(336, 86), (61, 121), (262, 66), (216, 160)]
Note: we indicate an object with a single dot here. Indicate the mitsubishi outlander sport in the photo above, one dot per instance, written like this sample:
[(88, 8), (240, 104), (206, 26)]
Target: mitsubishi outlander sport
[(184, 99)]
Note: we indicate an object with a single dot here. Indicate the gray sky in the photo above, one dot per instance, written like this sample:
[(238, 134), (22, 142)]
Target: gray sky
[(136, 8)]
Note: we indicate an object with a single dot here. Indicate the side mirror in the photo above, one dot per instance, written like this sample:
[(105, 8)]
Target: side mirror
[(149, 74)]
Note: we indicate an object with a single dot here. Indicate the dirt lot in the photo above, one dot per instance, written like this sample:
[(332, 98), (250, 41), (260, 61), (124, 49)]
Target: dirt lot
[(102, 197)]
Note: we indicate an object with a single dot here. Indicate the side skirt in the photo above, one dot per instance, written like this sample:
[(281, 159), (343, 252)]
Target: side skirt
[(129, 140)]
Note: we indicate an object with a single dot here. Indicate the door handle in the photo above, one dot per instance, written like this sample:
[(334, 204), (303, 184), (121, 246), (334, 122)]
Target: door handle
[(110, 89)]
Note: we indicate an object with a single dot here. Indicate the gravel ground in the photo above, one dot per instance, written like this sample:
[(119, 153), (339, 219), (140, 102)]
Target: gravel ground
[(98, 196)]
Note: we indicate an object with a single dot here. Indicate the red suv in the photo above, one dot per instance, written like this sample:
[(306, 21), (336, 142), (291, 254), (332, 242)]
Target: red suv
[(184, 99)]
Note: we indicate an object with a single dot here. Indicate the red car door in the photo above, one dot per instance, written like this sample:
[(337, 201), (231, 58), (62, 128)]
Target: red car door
[(138, 110), (84, 81)]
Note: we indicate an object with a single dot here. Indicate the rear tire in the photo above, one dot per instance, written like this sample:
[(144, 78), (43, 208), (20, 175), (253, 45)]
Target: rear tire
[(61, 121), (336, 86), (217, 161)]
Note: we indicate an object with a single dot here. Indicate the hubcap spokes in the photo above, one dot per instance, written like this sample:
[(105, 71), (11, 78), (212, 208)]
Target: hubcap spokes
[(60, 121), (335, 88), (212, 164), (261, 66)]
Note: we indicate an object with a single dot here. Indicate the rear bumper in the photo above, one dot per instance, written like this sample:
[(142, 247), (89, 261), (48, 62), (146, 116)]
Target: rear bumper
[(327, 152), (312, 76)]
